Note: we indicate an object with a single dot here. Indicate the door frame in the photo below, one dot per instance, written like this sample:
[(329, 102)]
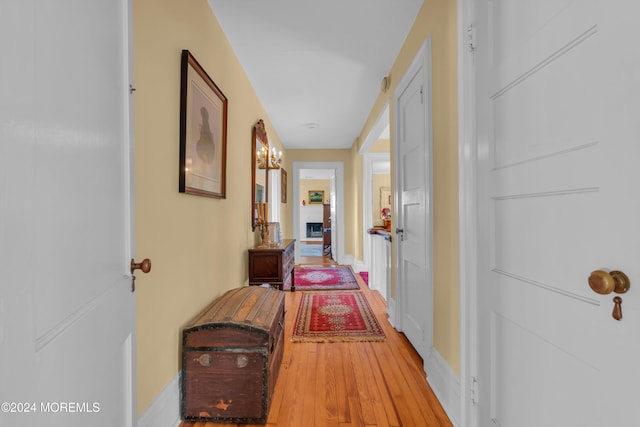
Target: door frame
[(370, 162), (338, 242), (130, 206), (422, 61), (468, 214)]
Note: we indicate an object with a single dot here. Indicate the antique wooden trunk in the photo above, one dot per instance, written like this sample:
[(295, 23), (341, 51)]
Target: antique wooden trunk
[(231, 357)]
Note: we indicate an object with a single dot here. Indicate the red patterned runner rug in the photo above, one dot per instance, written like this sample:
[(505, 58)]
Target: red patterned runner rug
[(334, 317), (325, 278)]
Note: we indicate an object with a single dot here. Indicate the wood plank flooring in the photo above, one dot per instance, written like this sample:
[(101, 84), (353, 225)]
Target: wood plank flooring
[(350, 384), (314, 260)]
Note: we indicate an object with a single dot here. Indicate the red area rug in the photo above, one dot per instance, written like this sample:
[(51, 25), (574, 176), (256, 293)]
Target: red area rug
[(325, 278), (334, 317)]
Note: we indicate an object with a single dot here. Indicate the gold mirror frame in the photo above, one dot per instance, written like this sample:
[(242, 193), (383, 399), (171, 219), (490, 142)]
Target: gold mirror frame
[(259, 171)]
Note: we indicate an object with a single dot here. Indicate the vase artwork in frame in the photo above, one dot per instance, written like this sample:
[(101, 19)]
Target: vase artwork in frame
[(203, 132)]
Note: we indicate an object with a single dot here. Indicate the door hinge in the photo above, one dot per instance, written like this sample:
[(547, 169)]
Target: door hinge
[(421, 95), (474, 391), (471, 38)]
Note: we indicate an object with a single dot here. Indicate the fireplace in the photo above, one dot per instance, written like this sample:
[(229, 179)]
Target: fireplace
[(314, 229)]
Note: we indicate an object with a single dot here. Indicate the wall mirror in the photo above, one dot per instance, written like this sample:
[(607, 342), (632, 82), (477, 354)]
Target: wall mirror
[(259, 175)]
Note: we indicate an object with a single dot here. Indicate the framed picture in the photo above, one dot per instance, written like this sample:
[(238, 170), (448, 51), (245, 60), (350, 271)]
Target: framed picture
[(274, 232), (283, 186), (316, 196), (203, 132)]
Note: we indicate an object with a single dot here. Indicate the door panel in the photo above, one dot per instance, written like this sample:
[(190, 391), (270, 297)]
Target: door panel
[(515, 374), (557, 105), (413, 174), (67, 313)]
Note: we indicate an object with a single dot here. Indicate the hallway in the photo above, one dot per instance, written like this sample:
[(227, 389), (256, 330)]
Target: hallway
[(313, 260), (350, 383)]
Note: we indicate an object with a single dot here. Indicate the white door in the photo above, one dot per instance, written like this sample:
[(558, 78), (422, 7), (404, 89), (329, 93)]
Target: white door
[(558, 102), (66, 307), (413, 181)]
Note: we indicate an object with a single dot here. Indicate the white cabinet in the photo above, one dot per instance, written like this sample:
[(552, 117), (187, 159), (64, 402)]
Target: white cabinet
[(380, 269)]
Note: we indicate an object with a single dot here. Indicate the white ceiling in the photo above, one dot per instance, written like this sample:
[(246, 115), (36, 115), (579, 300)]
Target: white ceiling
[(316, 66)]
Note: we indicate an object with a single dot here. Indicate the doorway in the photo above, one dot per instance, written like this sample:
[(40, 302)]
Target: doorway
[(377, 194), (332, 194)]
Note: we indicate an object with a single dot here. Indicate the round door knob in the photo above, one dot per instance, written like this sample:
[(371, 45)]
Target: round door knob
[(604, 283), (145, 265)]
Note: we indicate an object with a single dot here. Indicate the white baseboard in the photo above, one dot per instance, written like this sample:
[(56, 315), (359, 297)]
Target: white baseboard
[(391, 311), (445, 384), (346, 259), (359, 266), (165, 410)]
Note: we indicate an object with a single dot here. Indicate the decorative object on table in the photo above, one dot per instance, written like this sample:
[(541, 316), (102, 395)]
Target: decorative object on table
[(203, 132), (386, 218), (316, 197), (283, 186), (263, 222), (231, 357), (274, 232), (334, 317), (340, 277)]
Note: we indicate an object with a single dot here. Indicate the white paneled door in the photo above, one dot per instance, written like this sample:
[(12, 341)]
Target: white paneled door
[(66, 307), (413, 180), (558, 104)]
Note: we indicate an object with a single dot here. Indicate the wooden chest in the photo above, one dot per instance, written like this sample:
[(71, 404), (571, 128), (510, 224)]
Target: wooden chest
[(231, 357), (273, 264)]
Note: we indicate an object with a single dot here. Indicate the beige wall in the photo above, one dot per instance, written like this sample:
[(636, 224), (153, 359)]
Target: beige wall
[(198, 245), (437, 18), (380, 146), (307, 185)]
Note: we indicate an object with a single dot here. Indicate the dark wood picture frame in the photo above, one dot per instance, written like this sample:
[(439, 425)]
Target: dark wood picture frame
[(316, 197), (203, 132), (259, 169), (283, 186)]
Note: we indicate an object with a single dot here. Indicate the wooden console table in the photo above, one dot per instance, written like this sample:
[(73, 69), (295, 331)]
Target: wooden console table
[(273, 264)]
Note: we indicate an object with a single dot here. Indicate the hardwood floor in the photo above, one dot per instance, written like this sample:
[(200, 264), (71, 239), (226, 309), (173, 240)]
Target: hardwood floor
[(314, 260), (350, 384)]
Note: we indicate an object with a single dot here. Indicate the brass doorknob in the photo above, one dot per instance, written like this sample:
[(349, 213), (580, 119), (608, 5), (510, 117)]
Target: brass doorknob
[(603, 282), (145, 265)]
